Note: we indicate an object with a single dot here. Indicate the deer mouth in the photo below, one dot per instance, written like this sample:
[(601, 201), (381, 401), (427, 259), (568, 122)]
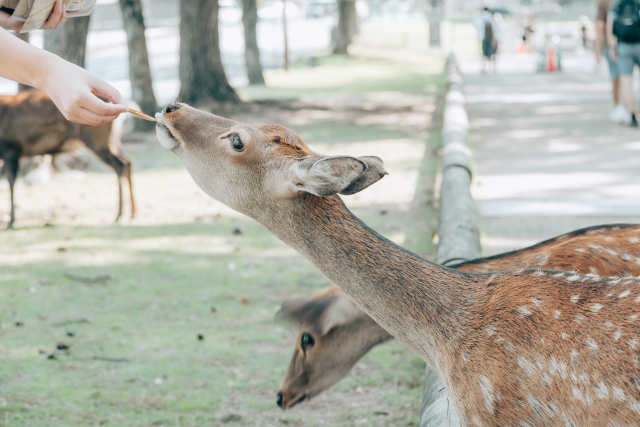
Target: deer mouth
[(300, 399), (166, 138)]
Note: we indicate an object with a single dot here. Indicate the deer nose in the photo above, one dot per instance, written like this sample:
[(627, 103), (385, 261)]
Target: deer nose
[(279, 400), (171, 108)]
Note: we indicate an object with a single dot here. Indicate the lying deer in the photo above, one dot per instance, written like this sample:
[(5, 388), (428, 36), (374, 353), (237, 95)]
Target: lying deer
[(334, 333), (31, 125), (514, 348)]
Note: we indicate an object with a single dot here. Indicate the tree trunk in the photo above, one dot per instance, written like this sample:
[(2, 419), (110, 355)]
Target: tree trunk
[(202, 76), (139, 70), (251, 51), (435, 16), (69, 41), (25, 38), (347, 26)]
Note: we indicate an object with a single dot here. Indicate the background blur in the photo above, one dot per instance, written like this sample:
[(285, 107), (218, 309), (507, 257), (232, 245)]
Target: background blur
[(166, 319)]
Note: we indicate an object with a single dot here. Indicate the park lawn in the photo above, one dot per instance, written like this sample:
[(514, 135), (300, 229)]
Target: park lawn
[(188, 267)]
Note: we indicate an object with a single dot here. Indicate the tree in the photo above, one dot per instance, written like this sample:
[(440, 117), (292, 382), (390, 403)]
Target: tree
[(69, 41), (202, 76), (435, 16), (139, 70), (347, 26), (251, 51)]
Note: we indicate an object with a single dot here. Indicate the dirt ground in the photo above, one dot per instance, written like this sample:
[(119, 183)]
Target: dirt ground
[(130, 299)]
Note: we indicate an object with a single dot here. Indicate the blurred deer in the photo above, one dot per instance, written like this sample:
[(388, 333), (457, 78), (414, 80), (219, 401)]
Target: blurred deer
[(31, 125), (333, 333), (514, 348)]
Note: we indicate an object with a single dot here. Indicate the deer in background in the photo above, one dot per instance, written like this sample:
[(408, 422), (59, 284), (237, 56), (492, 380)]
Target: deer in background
[(333, 333), (31, 125), (513, 348)]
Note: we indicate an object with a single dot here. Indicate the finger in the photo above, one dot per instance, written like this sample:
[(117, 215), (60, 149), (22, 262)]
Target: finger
[(93, 119), (103, 88), (100, 108), (13, 24), (53, 21)]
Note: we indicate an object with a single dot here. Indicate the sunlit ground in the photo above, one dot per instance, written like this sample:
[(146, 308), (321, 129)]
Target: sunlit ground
[(130, 299)]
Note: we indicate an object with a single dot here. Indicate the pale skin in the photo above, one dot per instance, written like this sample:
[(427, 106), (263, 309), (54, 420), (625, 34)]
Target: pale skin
[(72, 88), (625, 85)]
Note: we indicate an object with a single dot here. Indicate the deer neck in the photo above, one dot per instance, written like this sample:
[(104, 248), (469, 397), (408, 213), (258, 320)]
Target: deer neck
[(421, 304)]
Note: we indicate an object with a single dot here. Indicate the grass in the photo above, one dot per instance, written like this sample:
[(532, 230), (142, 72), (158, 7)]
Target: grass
[(188, 266)]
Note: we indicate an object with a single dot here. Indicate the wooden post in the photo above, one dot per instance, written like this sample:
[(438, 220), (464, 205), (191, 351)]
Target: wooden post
[(458, 233)]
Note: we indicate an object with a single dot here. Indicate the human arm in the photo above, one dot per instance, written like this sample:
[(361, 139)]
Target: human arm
[(601, 28), (57, 18), (71, 88)]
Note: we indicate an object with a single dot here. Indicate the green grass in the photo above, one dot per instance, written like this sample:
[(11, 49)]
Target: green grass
[(182, 269)]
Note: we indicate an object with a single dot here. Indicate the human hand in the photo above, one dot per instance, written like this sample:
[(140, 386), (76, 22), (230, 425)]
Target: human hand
[(74, 89), (613, 52), (57, 17)]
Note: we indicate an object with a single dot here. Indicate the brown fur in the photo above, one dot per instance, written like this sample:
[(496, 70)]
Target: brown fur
[(527, 348), (31, 125), (610, 250)]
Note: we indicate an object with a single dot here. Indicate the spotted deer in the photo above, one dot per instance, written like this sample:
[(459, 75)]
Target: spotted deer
[(333, 333), (513, 348), (31, 125)]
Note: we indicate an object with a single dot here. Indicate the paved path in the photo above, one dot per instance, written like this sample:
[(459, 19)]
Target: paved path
[(548, 159)]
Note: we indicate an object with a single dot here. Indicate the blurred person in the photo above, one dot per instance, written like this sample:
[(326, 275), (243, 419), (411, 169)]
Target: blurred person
[(601, 49), (623, 37), (70, 87), (487, 30)]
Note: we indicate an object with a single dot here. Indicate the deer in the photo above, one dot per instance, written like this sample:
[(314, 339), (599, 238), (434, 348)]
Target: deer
[(334, 334), (32, 125), (513, 348)]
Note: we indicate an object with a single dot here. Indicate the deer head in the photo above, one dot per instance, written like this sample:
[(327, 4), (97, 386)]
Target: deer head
[(245, 166), (333, 335)]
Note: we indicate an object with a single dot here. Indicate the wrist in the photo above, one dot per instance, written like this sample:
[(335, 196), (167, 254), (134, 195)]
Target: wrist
[(44, 71)]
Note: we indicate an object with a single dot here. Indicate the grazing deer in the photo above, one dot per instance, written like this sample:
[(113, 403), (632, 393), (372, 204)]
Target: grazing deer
[(515, 348), (334, 333), (32, 125)]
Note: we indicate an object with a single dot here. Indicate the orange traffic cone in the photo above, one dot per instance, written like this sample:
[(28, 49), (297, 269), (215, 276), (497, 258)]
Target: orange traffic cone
[(551, 56)]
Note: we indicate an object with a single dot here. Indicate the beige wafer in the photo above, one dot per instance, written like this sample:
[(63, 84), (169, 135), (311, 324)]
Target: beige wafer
[(141, 115)]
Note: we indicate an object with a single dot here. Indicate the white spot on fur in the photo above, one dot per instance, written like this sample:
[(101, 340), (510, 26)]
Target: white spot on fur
[(556, 314), (543, 341), (625, 294), (614, 281), (617, 334), (574, 354), (574, 299), (509, 346), (608, 325), (536, 302), (601, 390), (466, 357), (634, 240), (637, 299), (596, 307), (491, 330), (593, 270), (592, 344), (546, 379), (489, 395), (541, 259), (573, 277), (564, 335), (579, 250), (618, 393), (633, 318), (540, 273), (580, 317), (528, 367), (524, 311), (633, 343)]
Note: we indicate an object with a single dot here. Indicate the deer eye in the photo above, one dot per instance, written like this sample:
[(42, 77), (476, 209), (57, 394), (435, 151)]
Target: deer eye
[(236, 143), (307, 341)]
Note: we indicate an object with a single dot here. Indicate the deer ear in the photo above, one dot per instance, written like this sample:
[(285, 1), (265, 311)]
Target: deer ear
[(326, 176), (341, 311), (322, 314), (372, 174)]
